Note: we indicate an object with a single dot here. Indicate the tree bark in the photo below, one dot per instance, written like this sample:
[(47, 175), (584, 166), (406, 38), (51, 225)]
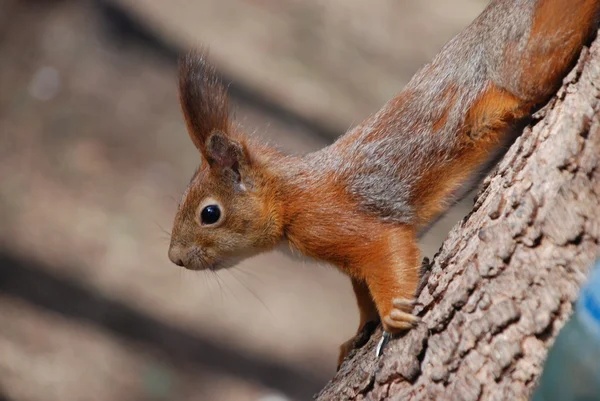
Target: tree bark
[(503, 283)]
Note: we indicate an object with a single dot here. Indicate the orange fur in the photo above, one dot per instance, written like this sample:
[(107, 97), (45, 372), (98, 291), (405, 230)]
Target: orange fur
[(486, 124), (267, 197), (449, 95), (559, 29)]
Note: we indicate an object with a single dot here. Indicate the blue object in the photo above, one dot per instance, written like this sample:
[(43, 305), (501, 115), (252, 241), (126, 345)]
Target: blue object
[(572, 370)]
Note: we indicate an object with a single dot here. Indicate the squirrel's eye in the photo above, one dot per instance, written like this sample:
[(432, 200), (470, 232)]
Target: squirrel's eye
[(210, 214)]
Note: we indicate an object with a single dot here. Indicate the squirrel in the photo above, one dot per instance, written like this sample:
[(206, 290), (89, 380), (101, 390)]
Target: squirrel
[(361, 202)]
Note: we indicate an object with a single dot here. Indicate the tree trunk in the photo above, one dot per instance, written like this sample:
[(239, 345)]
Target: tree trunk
[(503, 282)]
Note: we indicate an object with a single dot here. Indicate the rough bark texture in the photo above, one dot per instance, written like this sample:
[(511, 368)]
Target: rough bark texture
[(503, 282)]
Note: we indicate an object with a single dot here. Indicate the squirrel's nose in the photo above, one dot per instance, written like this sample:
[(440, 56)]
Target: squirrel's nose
[(176, 255)]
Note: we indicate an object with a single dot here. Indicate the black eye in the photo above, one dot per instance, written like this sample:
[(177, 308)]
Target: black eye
[(210, 214)]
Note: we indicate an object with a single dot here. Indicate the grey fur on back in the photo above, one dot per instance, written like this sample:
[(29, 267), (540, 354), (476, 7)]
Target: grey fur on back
[(387, 155)]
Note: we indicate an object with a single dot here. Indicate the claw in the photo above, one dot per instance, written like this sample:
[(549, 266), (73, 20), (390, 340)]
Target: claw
[(403, 303), (397, 320), (400, 316), (385, 338)]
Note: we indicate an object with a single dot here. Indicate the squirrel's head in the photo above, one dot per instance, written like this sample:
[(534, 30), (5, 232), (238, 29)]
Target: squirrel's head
[(229, 210)]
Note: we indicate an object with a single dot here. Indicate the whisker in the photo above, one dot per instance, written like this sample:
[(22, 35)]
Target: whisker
[(167, 232), (214, 275), (250, 291), (207, 285), (227, 286), (172, 198), (251, 275), (209, 279)]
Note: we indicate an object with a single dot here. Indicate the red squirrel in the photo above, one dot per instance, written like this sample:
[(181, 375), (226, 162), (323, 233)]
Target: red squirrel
[(361, 202)]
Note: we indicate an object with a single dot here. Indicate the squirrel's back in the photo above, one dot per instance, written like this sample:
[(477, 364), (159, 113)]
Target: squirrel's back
[(407, 161), (402, 165)]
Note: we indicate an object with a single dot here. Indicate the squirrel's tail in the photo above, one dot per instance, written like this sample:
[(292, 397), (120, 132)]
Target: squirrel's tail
[(534, 66)]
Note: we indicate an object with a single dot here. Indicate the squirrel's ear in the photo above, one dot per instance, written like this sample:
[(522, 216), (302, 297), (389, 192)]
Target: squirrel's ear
[(203, 100), (225, 153)]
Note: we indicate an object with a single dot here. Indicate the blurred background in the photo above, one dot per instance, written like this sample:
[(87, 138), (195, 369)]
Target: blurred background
[(94, 157)]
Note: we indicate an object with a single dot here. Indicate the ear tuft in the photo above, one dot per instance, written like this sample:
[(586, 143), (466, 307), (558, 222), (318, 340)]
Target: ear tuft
[(203, 98)]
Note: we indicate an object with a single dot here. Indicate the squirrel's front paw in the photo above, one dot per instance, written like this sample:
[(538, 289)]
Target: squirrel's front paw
[(400, 318), (397, 320)]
